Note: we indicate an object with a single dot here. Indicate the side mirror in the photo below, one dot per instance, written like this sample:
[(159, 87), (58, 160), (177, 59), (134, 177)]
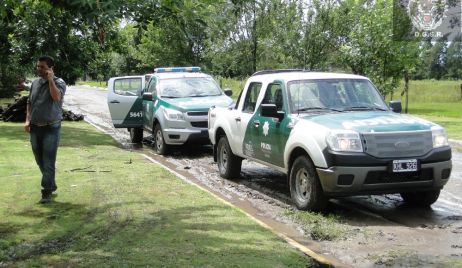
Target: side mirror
[(228, 92), (270, 110), (395, 106), (147, 96)]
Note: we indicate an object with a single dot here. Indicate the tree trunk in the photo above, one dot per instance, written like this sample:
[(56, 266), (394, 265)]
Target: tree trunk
[(255, 39), (406, 90)]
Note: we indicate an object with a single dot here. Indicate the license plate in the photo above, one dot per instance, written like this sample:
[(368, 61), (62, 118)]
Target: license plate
[(407, 165)]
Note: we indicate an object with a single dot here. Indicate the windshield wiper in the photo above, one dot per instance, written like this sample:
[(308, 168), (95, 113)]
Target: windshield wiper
[(198, 95), (169, 97), (204, 95), (304, 109), (364, 108)]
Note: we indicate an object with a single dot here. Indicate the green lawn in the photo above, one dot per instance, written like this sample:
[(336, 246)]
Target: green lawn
[(437, 101), (447, 115), (115, 209)]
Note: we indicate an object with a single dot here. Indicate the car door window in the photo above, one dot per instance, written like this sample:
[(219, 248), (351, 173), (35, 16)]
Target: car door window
[(152, 86), (251, 97), (273, 95), (127, 86)]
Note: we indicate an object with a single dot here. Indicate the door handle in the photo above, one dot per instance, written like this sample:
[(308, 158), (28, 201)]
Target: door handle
[(238, 119), (115, 101), (256, 123)]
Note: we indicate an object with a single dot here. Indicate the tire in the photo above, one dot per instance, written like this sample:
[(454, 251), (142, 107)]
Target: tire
[(305, 188), (229, 165), (422, 199), (136, 135), (159, 143)]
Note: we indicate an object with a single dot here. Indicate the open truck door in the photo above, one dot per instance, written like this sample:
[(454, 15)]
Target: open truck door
[(124, 101)]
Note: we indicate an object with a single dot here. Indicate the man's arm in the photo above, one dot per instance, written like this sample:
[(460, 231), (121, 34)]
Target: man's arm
[(27, 123), (54, 90)]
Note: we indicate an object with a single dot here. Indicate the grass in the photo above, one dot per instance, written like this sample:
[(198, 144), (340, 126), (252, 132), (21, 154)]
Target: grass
[(235, 85), (102, 84), (116, 209), (433, 91), (437, 101), (321, 227)]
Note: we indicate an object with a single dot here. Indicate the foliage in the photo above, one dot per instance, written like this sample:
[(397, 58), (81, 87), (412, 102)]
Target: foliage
[(102, 38)]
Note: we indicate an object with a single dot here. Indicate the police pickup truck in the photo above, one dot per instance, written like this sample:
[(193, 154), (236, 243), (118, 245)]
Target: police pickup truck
[(172, 103), (333, 135)]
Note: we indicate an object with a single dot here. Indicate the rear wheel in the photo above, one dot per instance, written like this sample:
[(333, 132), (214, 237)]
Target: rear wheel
[(229, 165), (423, 199), (159, 143), (136, 135), (305, 188)]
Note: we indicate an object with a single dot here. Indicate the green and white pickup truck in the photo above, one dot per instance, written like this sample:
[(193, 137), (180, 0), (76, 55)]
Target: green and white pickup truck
[(333, 135), (172, 103)]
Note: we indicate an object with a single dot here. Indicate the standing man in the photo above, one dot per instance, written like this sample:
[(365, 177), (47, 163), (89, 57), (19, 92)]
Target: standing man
[(43, 122)]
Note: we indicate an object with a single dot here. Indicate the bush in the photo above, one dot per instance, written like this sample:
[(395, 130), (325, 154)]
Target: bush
[(7, 84)]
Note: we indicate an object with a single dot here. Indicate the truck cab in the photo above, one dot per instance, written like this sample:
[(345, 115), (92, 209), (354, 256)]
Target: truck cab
[(333, 135), (172, 103)]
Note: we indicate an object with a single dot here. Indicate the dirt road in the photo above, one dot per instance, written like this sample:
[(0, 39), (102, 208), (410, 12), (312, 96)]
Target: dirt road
[(375, 230)]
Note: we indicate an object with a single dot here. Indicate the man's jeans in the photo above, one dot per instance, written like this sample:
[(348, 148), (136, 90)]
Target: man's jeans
[(45, 141)]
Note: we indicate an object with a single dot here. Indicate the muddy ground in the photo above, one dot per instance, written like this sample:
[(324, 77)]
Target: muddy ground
[(377, 231)]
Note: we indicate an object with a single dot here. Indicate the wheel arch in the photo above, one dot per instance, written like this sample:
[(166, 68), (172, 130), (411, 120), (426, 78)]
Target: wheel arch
[(155, 121), (294, 154)]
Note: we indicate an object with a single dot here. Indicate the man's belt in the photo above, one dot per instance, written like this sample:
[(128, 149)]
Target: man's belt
[(45, 124)]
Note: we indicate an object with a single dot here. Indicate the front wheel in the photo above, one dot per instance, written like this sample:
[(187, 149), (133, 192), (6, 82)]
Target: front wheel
[(229, 164), (159, 143), (423, 199), (136, 134), (305, 188)]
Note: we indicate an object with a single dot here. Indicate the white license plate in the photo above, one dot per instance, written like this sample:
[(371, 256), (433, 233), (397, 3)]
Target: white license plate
[(407, 165)]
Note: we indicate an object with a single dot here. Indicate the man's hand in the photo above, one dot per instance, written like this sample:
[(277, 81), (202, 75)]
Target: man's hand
[(27, 127), (50, 74)]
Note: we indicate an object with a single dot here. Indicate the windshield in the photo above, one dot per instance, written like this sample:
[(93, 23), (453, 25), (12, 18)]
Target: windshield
[(334, 95), (188, 87)]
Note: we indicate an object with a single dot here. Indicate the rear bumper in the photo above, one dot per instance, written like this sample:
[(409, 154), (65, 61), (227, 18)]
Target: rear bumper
[(343, 181)]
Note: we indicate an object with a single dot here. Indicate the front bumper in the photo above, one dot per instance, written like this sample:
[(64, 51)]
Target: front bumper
[(177, 136), (344, 181)]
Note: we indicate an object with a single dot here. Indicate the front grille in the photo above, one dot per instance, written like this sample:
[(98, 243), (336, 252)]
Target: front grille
[(198, 113), (200, 124), (374, 177), (398, 144)]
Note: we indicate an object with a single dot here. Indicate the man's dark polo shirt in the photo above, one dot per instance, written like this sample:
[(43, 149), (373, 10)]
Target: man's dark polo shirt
[(43, 109)]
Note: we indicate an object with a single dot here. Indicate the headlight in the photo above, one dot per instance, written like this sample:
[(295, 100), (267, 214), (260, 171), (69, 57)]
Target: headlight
[(344, 141), (440, 138), (171, 114)]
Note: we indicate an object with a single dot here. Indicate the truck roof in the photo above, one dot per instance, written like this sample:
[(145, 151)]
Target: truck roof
[(288, 75), (179, 75)]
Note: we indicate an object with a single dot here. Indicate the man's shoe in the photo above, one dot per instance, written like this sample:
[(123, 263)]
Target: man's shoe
[(45, 199)]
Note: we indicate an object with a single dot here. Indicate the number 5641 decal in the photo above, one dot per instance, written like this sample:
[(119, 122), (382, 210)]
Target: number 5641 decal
[(136, 114)]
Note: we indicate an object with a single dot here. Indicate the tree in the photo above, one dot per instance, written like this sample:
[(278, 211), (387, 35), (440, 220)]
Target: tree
[(453, 64), (369, 49)]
